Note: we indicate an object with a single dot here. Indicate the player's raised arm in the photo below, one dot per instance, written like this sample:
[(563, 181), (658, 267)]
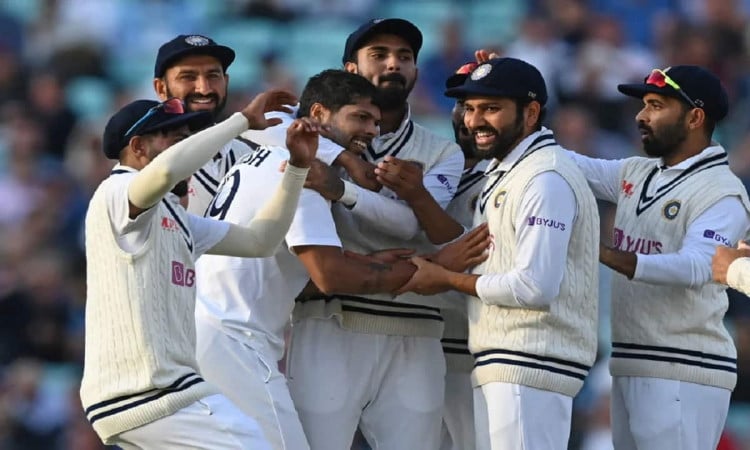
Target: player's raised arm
[(267, 228), (181, 160)]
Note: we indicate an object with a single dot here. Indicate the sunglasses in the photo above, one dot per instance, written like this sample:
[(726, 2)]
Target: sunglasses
[(170, 106), (660, 79), (466, 68)]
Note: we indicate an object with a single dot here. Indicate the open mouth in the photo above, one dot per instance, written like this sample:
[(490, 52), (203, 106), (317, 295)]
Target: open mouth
[(358, 145), (484, 138)]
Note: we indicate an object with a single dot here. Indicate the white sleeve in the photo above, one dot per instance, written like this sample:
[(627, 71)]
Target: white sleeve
[(327, 152), (544, 225), (130, 234), (313, 222), (603, 175), (181, 161), (206, 233), (394, 217), (724, 223)]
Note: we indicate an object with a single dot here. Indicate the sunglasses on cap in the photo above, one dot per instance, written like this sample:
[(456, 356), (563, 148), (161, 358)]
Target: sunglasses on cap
[(466, 68), (170, 106), (660, 79)]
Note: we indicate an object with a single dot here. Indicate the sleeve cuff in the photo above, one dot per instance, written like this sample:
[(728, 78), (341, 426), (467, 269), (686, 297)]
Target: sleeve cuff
[(735, 272), (350, 196)]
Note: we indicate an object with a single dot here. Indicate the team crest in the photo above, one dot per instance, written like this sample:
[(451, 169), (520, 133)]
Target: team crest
[(481, 72), (671, 209), (197, 41), (499, 198)]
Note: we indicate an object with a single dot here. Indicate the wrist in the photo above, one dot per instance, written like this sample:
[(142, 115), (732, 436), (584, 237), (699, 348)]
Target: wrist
[(299, 163)]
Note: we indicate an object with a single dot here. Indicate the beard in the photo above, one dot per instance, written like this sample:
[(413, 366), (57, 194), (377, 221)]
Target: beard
[(180, 189), (665, 141), (215, 113), (393, 96), (464, 140), (505, 139)]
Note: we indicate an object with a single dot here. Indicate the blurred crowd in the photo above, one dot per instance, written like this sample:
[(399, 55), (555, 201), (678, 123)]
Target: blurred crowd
[(66, 65)]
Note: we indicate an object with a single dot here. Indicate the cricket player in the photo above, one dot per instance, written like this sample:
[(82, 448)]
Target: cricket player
[(533, 305), (193, 68), (141, 387), (673, 361), (244, 304), (372, 361)]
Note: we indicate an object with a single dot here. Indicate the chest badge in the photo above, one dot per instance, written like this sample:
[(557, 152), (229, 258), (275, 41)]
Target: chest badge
[(671, 209)]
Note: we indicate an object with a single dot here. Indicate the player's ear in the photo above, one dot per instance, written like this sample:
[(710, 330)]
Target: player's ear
[(350, 67), (160, 87), (318, 112), (137, 146)]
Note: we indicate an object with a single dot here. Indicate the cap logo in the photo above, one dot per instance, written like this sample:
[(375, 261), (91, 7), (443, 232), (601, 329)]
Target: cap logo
[(197, 41), (481, 72), (531, 94), (377, 21)]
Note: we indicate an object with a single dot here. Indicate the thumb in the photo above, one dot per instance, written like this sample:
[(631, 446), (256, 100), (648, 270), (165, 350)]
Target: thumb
[(273, 121)]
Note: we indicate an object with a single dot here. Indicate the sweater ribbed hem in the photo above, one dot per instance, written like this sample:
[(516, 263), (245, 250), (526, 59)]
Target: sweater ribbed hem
[(110, 426), (373, 317), (621, 367), (536, 378)]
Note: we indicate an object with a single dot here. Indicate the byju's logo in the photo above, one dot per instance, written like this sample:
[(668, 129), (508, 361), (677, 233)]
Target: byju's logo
[(711, 234), (541, 221), (182, 277), (622, 241), (168, 223)]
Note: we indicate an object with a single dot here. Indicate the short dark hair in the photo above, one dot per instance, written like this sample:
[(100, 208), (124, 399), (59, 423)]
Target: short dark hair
[(334, 89)]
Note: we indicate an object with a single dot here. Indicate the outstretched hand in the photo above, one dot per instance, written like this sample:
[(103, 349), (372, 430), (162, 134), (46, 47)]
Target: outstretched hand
[(302, 141), (466, 252), (272, 100)]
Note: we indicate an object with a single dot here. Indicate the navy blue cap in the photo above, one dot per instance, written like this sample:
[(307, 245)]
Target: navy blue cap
[(703, 87), (115, 139), (193, 44), (503, 77), (460, 75), (399, 27)]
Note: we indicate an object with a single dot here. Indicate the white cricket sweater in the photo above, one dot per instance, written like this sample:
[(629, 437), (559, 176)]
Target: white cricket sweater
[(551, 349), (140, 334), (453, 304), (663, 331), (408, 314)]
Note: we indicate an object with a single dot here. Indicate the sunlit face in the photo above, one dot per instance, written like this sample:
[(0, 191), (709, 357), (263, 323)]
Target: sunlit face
[(387, 61), (460, 132), (662, 123), (353, 126), (199, 80), (494, 124)]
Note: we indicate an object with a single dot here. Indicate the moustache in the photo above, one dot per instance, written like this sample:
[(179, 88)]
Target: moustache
[(645, 128)]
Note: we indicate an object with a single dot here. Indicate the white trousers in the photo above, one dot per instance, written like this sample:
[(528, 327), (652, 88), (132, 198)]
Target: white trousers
[(659, 414), (515, 417), (458, 413), (208, 424), (391, 386), (253, 382)]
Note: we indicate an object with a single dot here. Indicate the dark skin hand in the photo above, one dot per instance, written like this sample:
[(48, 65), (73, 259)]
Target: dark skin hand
[(466, 252), (618, 260), (406, 179), (323, 179), (361, 172)]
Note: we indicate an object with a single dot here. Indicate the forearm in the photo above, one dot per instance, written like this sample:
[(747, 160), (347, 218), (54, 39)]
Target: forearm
[(386, 215), (346, 275), (618, 260), (438, 225), (268, 227), (181, 160)]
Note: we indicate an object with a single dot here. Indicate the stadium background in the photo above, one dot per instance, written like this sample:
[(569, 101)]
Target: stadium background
[(66, 65)]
